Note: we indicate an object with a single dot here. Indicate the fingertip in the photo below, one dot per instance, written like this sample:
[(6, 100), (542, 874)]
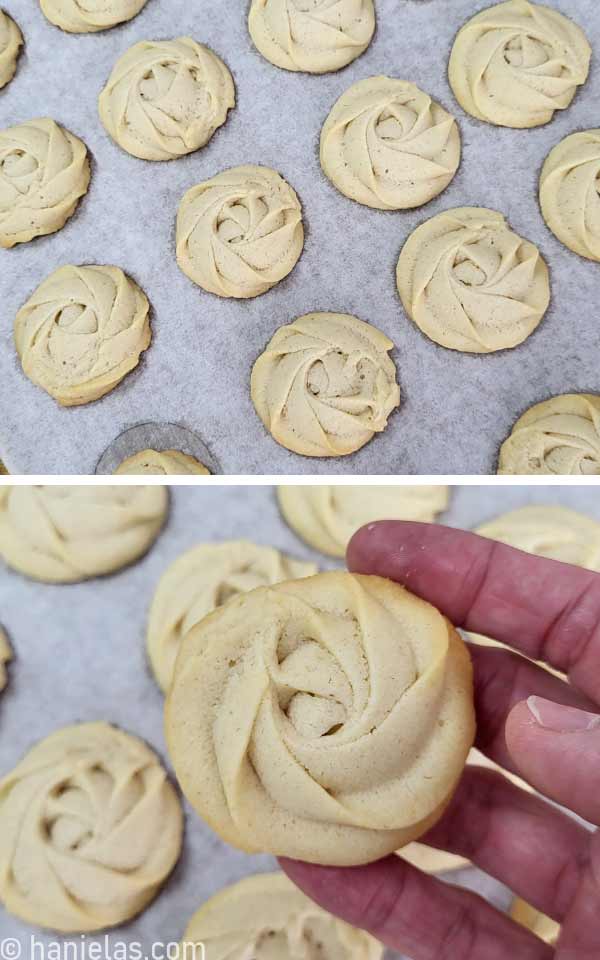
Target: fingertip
[(383, 547)]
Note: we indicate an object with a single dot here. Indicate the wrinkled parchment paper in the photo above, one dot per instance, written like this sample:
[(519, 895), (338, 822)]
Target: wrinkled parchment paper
[(80, 656), (456, 409)]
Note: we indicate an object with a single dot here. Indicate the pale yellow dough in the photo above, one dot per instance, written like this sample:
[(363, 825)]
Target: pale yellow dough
[(65, 534), (326, 719), (549, 531), (313, 37), (89, 16), (240, 233), (82, 331), (90, 828), (203, 579), (267, 917), (516, 63), (570, 192), (388, 145), (543, 927), (11, 41), (560, 436), (6, 656), (162, 463), (327, 517), (44, 172), (166, 98), (470, 283), (325, 384)]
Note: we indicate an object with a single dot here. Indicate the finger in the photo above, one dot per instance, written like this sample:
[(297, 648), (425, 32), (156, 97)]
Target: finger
[(581, 933), (516, 837), (557, 748), (503, 679), (415, 914), (548, 610)]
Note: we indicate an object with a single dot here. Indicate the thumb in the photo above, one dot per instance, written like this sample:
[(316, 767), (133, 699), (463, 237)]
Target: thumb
[(557, 749)]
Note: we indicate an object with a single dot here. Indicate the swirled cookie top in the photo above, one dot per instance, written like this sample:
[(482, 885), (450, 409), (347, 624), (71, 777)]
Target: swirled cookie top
[(570, 192), (11, 41), (329, 720), (267, 916), (166, 98), (388, 145), (44, 172), (64, 534), (516, 63), (240, 233), (203, 579), (82, 331), (89, 16), (90, 827), (559, 436), (549, 531), (470, 283), (313, 37), (325, 384), (162, 463), (328, 516)]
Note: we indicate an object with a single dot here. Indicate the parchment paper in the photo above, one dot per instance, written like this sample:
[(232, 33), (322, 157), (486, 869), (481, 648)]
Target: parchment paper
[(80, 656), (456, 409)]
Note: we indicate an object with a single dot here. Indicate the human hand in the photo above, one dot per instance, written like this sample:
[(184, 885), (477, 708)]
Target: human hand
[(530, 722)]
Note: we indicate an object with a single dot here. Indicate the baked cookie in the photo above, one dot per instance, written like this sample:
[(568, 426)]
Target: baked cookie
[(166, 98), (162, 463), (66, 534), (11, 41), (560, 436), (240, 233), (6, 656), (317, 37), (543, 927), (569, 193), (82, 331), (203, 579), (326, 719), (89, 16), (44, 173), (90, 827), (470, 283), (325, 384), (556, 533), (267, 916), (515, 63), (327, 517), (388, 145)]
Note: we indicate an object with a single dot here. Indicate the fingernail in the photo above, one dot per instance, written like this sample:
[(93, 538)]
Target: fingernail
[(560, 719)]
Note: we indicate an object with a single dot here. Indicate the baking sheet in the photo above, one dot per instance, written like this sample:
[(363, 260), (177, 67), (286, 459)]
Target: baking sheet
[(80, 655), (456, 409)]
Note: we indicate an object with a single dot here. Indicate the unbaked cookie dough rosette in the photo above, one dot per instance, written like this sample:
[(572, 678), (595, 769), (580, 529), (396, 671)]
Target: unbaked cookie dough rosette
[(90, 828), (89, 16), (327, 517), (166, 98), (161, 464), (325, 719), (11, 41), (570, 193), (44, 173), (203, 579), (325, 384), (240, 233), (516, 63), (560, 436), (388, 145), (470, 283), (313, 37), (82, 331), (65, 534), (267, 916)]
